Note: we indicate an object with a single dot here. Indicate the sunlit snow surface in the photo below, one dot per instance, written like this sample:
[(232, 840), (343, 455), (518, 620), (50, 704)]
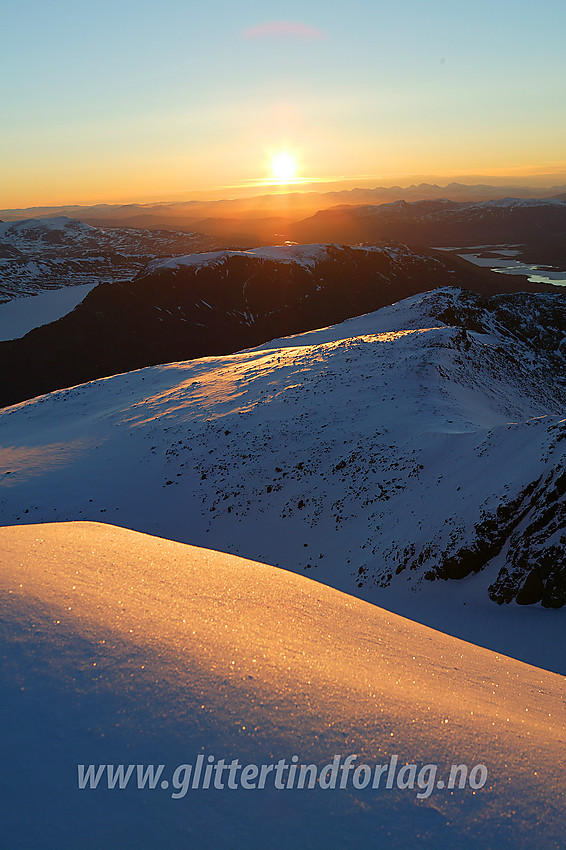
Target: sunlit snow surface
[(119, 647), (305, 255), (328, 453)]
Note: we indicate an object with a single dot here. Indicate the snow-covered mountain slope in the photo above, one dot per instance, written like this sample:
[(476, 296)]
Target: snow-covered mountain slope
[(307, 256), (220, 302), (49, 253), (124, 648), (413, 457)]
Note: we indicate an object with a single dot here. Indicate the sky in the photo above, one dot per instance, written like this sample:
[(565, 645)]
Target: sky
[(131, 100)]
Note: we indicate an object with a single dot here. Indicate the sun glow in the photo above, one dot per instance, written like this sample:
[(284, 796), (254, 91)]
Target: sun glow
[(284, 167)]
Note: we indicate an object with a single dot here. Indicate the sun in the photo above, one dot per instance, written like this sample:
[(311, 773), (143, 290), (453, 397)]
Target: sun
[(284, 167)]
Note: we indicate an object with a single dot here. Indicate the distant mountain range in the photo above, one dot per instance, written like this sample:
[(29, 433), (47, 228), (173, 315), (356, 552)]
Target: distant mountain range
[(49, 253), (220, 302), (265, 219), (537, 225)]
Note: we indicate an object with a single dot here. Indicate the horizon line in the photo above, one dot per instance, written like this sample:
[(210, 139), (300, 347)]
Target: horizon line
[(309, 187)]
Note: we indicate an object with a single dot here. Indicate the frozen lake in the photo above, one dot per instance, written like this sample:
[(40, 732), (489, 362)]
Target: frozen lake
[(22, 315), (500, 258)]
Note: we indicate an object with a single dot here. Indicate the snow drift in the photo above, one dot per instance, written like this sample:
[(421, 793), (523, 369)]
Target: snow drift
[(120, 647)]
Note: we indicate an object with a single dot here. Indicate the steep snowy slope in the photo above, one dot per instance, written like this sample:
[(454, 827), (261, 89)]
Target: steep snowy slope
[(413, 457), (123, 648), (220, 302)]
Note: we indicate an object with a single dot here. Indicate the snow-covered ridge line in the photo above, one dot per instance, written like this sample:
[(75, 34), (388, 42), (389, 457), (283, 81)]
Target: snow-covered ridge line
[(520, 202), (460, 206), (31, 225), (305, 255)]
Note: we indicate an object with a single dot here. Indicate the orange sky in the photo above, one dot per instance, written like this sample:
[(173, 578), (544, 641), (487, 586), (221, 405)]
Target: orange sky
[(195, 101)]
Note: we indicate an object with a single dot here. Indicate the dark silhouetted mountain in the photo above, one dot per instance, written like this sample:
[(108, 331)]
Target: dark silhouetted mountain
[(206, 304), (257, 210), (442, 222)]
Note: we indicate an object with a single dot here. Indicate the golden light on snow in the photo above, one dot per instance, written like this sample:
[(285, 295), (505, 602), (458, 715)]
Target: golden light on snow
[(262, 661)]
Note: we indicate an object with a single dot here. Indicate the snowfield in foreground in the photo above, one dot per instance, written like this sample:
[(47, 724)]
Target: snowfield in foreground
[(124, 648), (413, 457)]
